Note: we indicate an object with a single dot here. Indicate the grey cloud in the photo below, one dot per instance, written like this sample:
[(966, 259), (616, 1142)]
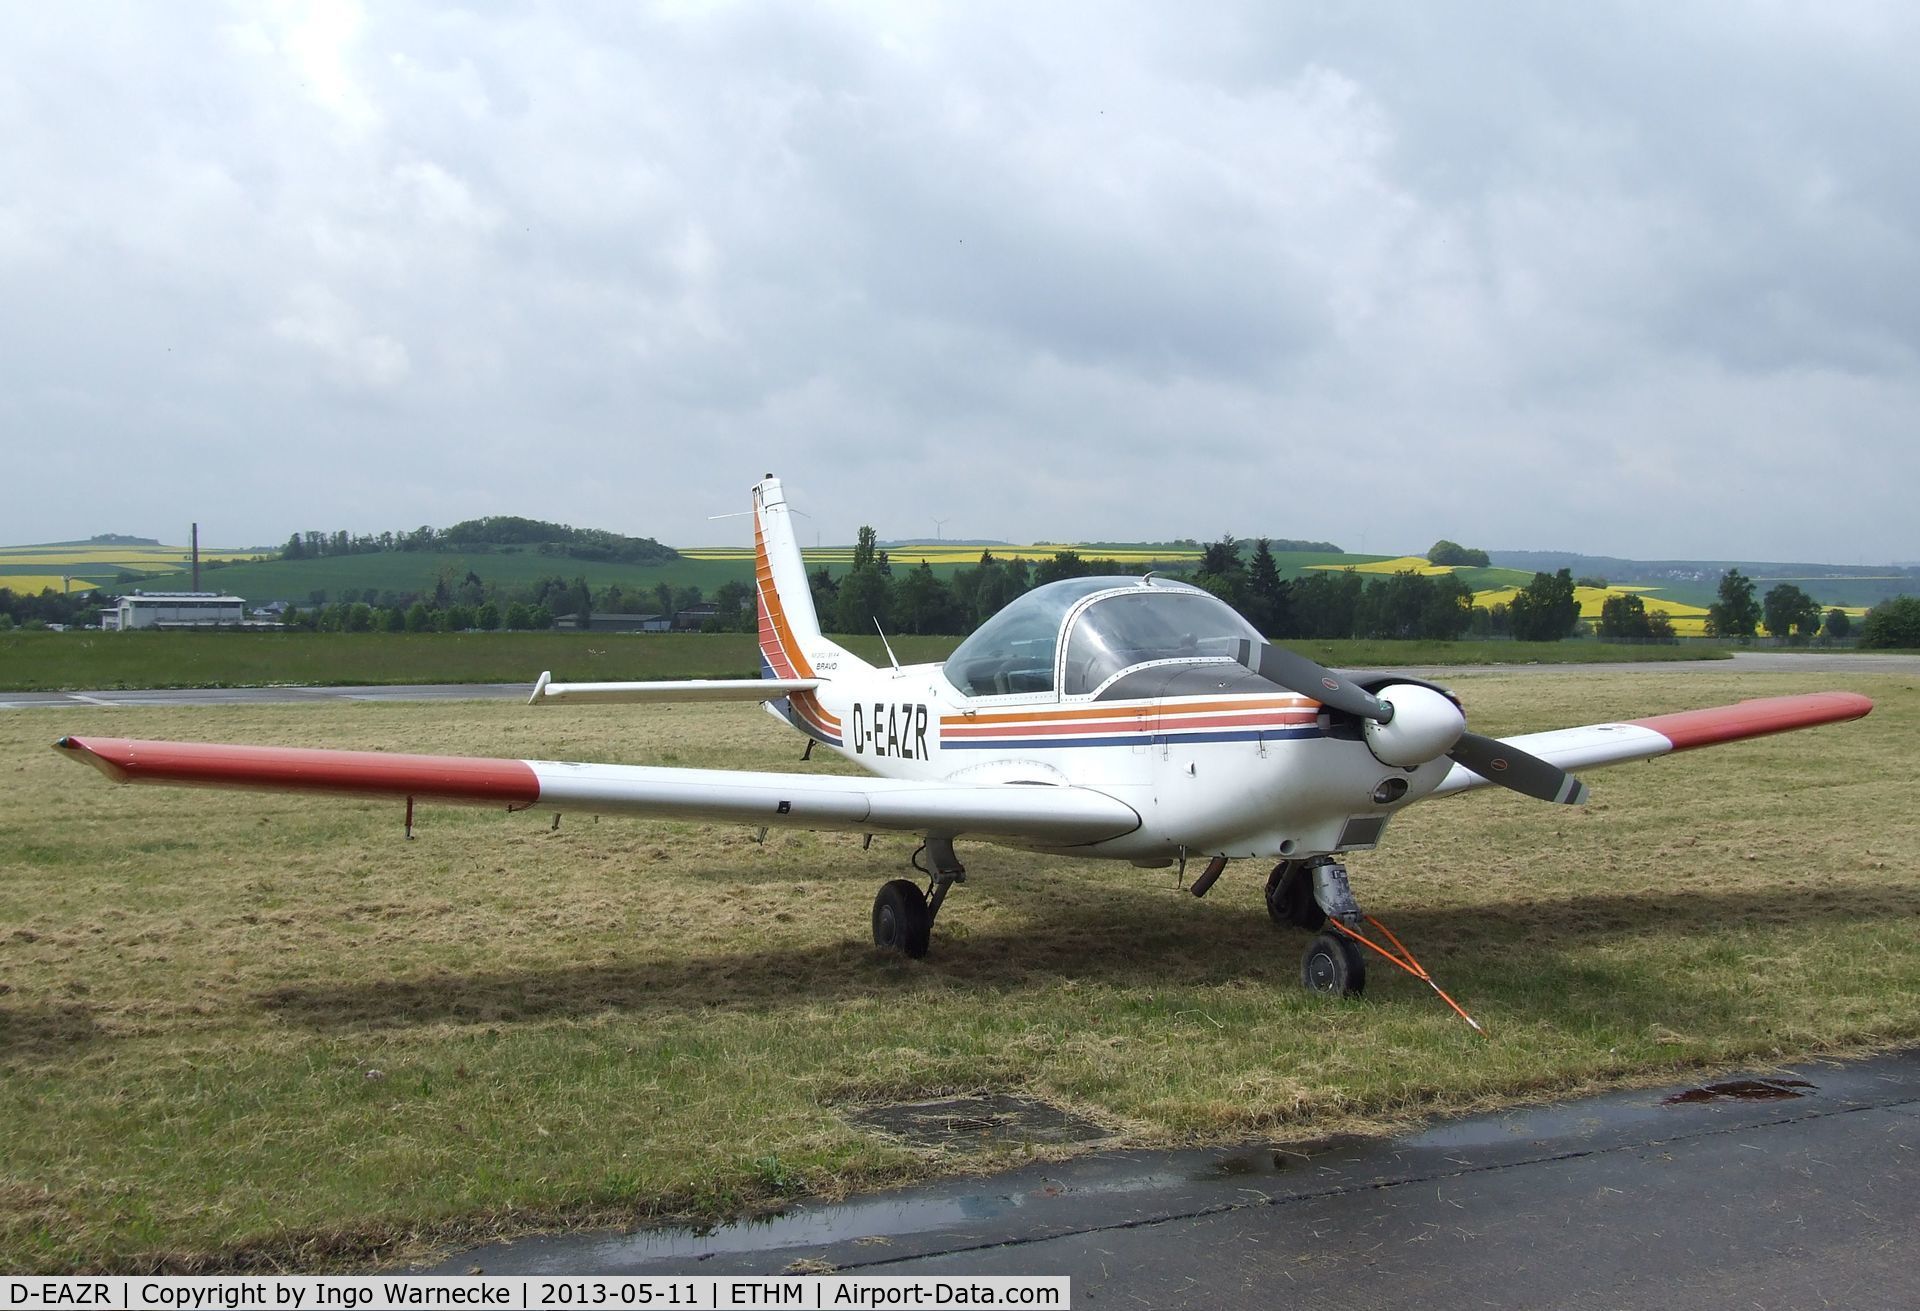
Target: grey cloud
[(1537, 278)]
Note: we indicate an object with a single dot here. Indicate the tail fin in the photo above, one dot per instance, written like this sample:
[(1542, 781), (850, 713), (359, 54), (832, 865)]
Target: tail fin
[(791, 644)]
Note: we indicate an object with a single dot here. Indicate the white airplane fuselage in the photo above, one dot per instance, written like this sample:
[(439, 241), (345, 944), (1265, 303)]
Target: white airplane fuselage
[(1233, 774)]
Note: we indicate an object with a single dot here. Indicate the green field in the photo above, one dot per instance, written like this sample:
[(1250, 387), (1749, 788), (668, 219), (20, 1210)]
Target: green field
[(265, 1032), (37, 661), (414, 571), (419, 571)]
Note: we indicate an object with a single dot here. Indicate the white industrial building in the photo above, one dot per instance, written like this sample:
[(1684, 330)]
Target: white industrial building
[(174, 610)]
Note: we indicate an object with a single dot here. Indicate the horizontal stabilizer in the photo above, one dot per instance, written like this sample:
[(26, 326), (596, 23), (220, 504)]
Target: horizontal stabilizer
[(684, 689)]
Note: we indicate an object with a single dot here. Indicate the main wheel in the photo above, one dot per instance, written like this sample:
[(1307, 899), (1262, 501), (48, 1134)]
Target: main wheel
[(900, 919), (1290, 898), (1333, 966)]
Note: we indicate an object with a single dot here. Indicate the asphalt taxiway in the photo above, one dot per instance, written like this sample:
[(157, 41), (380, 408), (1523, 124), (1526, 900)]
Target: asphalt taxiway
[(1745, 662), (1796, 1187)]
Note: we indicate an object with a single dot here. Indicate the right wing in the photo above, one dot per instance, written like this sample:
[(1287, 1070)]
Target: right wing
[(1593, 745), (1042, 814)]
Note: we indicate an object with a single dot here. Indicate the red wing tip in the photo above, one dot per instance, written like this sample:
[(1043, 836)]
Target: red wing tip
[(1756, 718), (89, 753)]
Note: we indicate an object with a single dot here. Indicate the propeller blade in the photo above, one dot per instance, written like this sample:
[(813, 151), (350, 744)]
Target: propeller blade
[(1296, 673), (1510, 767)]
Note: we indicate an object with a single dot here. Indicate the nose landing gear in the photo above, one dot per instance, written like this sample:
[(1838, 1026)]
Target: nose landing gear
[(1314, 895)]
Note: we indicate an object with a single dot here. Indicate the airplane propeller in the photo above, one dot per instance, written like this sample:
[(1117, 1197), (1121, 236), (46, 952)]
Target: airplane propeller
[(1411, 724)]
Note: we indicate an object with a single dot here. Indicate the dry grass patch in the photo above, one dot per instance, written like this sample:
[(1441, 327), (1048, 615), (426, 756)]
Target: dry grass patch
[(255, 1030)]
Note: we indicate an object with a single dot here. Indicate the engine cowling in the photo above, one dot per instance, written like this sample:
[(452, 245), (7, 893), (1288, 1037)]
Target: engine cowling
[(1425, 725)]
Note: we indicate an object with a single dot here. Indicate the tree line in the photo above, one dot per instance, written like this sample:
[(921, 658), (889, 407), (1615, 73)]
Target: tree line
[(499, 532), (1790, 614), (1322, 604)]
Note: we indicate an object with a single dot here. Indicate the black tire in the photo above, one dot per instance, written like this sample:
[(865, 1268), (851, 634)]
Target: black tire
[(1334, 967), (900, 919), (1290, 898)]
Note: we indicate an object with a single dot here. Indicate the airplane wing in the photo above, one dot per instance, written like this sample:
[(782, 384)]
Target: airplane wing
[(685, 689), (1593, 745), (1037, 813)]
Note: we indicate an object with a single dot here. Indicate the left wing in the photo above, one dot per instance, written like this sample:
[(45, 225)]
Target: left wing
[(1040, 813), (680, 689), (1593, 745)]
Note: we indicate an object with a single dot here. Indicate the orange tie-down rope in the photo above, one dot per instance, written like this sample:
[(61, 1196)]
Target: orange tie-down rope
[(1404, 959)]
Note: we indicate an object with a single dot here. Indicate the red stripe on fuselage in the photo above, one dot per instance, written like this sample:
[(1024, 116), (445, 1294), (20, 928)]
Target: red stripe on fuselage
[(1181, 705), (1775, 714), (206, 764)]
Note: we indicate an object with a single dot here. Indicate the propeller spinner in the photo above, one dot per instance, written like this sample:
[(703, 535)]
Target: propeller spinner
[(1408, 725)]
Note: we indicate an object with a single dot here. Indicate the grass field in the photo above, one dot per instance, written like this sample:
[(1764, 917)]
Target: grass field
[(262, 1032), (80, 660)]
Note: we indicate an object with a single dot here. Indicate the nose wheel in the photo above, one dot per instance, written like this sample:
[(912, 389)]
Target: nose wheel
[(1333, 967)]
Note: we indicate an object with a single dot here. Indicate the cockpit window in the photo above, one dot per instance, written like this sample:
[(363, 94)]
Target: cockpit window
[(1014, 651), (1146, 624)]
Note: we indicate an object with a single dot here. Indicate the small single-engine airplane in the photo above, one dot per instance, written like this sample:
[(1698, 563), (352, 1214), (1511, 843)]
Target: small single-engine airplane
[(1140, 719)]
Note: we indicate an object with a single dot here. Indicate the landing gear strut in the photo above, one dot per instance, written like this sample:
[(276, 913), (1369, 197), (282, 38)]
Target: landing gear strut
[(902, 914), (1305, 894)]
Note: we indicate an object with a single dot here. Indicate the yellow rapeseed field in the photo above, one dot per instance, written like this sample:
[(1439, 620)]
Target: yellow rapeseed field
[(34, 584), (1406, 564), (1688, 620)]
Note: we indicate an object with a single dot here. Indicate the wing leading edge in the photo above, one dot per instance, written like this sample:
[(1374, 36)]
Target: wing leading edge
[(1038, 813), (1593, 745)]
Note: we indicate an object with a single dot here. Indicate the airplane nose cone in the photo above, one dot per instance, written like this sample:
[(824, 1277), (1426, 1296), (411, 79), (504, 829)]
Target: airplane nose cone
[(1424, 727)]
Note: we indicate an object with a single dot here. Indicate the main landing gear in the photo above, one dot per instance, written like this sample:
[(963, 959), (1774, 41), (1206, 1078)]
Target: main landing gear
[(902, 914)]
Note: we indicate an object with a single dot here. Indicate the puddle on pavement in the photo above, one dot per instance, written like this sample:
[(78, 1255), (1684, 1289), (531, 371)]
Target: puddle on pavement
[(976, 1122), (1740, 1090), (877, 1223)]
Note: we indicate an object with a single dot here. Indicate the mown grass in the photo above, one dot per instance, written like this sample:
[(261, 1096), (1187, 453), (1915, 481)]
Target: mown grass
[(35, 661), (243, 1031)]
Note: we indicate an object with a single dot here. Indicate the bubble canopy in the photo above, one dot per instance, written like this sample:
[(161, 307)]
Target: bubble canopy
[(1105, 626)]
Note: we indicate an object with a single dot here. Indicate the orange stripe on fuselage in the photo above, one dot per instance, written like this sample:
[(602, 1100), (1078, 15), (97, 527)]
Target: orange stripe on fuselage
[(1161, 723)]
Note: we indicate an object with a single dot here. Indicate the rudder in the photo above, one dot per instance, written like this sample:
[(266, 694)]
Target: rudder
[(791, 644)]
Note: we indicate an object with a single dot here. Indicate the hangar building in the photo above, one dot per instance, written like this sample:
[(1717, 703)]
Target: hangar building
[(174, 610)]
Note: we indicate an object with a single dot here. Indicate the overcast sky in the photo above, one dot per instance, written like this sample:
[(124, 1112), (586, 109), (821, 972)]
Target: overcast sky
[(1639, 280)]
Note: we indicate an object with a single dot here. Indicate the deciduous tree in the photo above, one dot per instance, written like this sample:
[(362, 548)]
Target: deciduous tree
[(1788, 610), (1546, 610), (1736, 613)]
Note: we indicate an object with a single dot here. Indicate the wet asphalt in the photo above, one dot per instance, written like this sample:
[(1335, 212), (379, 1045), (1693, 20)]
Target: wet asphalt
[(1781, 1188)]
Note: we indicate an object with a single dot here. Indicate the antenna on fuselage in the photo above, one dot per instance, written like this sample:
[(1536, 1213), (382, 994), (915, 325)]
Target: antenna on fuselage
[(884, 642)]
